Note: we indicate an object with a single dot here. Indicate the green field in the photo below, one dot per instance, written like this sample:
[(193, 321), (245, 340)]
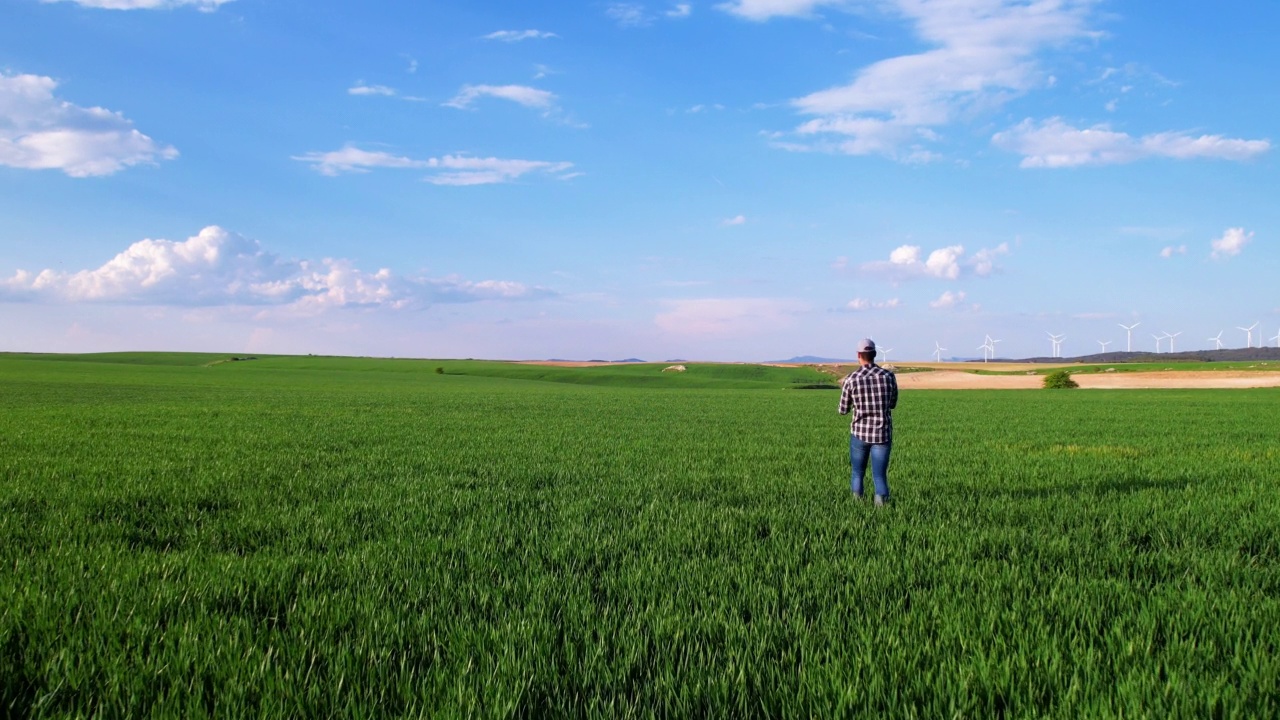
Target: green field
[(339, 537)]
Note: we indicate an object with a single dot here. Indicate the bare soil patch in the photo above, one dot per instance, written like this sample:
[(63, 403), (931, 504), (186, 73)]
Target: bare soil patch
[(960, 376), (956, 380)]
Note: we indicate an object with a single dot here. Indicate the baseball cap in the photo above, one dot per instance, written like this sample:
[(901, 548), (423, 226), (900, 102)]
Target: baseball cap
[(866, 345)]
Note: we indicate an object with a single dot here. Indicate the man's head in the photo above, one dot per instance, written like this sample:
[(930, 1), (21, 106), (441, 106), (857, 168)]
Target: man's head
[(866, 350)]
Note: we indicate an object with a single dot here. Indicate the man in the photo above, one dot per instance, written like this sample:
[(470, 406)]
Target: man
[(871, 393)]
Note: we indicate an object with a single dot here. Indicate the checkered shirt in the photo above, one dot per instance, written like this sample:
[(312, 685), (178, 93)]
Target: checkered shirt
[(871, 392)]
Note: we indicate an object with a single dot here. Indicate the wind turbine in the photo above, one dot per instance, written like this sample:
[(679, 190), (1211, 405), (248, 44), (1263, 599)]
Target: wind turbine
[(988, 346), (1249, 342), (1057, 342), (1158, 339), (1171, 337), (886, 353), (1129, 332), (1217, 339), (1104, 344), (937, 351), (1277, 339)]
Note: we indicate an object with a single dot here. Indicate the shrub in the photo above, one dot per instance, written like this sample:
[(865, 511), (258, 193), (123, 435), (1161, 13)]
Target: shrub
[(439, 371), (1060, 379)]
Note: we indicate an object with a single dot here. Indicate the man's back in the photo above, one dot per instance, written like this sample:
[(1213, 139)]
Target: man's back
[(871, 393)]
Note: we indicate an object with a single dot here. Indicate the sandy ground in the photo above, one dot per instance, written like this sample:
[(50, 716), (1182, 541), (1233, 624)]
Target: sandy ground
[(956, 380), (945, 376)]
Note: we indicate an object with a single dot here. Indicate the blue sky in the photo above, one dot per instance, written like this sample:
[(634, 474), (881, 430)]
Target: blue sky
[(724, 180)]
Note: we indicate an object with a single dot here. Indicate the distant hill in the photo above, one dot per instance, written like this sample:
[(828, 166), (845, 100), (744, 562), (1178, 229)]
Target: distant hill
[(597, 360), (809, 360)]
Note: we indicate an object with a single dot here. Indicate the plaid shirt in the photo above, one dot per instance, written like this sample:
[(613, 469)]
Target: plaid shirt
[(871, 392)]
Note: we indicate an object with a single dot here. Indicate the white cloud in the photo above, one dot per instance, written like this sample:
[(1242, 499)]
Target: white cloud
[(362, 89), (222, 268), (948, 300), (38, 131), (860, 304), (464, 170), (680, 10), (1231, 243), (351, 159), (947, 263), (984, 52), (1053, 143), (628, 14), (735, 220), (518, 35), (202, 5), (941, 263), (446, 170), (760, 10), (520, 94), (984, 261), (728, 317), (1171, 250)]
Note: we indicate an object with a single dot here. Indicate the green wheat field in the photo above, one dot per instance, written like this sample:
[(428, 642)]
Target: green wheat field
[(183, 535)]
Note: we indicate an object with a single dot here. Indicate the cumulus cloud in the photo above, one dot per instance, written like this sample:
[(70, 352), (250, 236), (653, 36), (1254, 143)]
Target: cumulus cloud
[(1170, 250), (982, 54), (446, 170), (222, 268), (947, 263), (728, 317), (860, 304), (984, 261), (1231, 243), (760, 10), (908, 260), (948, 300), (39, 131), (680, 10), (1053, 143), (201, 5), (735, 220), (519, 94), (511, 36)]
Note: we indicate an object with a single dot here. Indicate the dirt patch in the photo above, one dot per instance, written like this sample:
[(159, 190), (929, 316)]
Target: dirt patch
[(944, 376)]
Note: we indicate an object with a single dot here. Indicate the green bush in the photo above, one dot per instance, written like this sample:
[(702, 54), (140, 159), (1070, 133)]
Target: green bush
[(1059, 379)]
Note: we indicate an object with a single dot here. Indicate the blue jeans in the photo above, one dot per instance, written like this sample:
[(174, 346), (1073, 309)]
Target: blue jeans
[(878, 453)]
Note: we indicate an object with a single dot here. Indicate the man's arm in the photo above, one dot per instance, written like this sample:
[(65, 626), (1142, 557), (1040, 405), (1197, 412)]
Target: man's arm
[(846, 397), (893, 391)]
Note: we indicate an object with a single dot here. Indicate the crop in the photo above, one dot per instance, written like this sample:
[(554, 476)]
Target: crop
[(344, 537)]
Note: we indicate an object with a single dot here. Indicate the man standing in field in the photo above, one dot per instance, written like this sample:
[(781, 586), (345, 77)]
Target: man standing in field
[(871, 393)]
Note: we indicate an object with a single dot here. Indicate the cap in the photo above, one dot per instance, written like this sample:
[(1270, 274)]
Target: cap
[(866, 345)]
